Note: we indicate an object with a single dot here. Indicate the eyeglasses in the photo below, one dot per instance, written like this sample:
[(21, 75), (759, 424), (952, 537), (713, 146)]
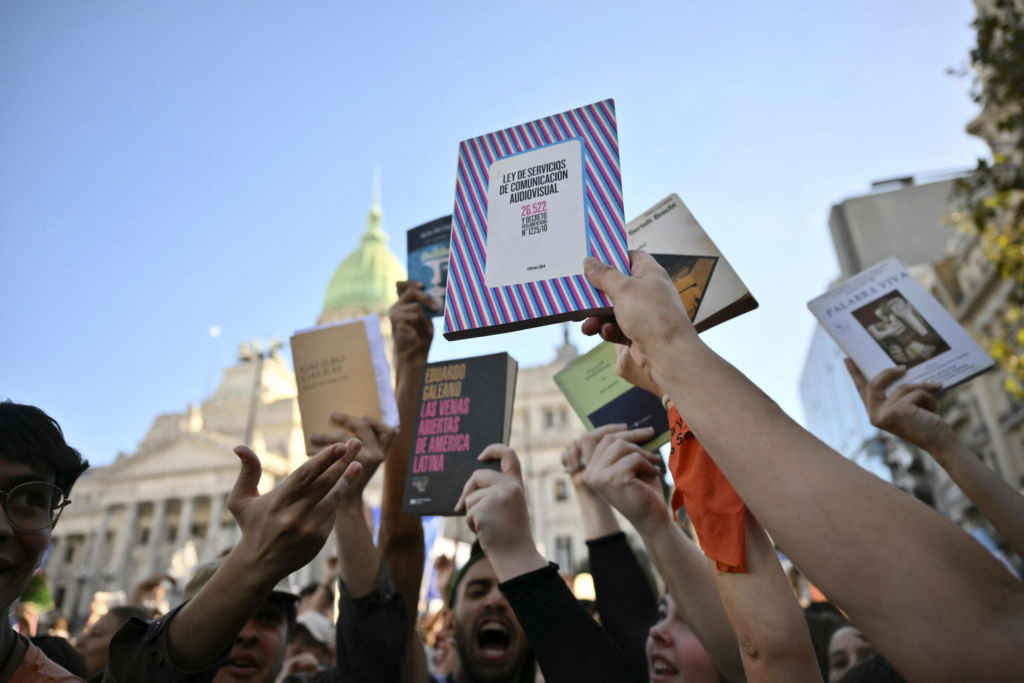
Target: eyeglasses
[(33, 506)]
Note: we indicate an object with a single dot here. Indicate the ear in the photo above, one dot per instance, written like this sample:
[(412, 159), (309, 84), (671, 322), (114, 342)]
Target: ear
[(449, 621)]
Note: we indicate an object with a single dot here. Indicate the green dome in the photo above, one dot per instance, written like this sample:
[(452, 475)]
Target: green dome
[(366, 278)]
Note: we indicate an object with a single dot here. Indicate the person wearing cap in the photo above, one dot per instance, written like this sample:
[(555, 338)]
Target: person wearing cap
[(234, 625), (312, 641)]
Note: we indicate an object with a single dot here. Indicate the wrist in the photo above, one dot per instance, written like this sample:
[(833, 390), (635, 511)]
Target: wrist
[(516, 561), (250, 571), (668, 361), (654, 528)]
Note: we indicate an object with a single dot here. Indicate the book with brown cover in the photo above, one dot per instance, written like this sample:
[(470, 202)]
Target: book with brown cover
[(342, 368)]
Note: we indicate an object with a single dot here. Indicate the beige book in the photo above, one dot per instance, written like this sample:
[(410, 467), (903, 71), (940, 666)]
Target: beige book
[(342, 368)]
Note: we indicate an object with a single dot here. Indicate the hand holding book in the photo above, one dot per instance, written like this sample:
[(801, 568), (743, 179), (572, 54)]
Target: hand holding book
[(376, 438), (411, 328)]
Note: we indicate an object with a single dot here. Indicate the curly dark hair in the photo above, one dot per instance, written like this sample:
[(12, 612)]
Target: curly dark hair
[(30, 436)]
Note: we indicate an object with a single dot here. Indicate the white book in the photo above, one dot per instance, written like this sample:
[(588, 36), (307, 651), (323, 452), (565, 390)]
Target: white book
[(883, 318)]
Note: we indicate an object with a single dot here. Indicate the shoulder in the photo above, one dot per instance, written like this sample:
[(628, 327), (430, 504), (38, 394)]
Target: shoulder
[(36, 667)]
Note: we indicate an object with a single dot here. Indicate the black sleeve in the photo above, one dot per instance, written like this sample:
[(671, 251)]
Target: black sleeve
[(568, 644), (625, 601)]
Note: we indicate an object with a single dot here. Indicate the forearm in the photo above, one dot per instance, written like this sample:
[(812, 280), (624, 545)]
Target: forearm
[(1001, 504), (358, 561), (208, 625), (691, 584), (898, 582), (775, 644), (597, 516)]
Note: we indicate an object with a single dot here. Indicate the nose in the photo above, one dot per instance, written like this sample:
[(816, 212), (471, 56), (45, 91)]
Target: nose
[(6, 529), (495, 600), (661, 633), (249, 635)]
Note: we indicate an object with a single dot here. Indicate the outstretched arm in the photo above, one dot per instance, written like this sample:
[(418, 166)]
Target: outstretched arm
[(401, 536), (909, 413), (924, 593)]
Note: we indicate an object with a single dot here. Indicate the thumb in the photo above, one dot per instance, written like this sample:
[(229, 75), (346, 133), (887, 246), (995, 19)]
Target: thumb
[(246, 486), (609, 280)]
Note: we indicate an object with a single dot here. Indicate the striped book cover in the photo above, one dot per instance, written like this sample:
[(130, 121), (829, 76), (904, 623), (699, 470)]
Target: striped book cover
[(531, 202)]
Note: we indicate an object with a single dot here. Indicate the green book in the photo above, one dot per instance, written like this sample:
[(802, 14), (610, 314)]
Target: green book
[(601, 397)]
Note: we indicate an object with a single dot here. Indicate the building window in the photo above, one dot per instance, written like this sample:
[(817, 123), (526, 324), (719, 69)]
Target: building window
[(69, 553), (563, 418), (199, 531), (561, 490), (144, 536), (172, 533), (563, 553), (549, 419), (58, 599)]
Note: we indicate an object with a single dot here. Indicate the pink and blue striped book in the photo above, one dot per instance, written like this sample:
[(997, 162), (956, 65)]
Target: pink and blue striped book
[(531, 202)]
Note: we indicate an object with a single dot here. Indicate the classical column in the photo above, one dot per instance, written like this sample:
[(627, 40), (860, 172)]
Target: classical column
[(125, 551), (156, 538), (212, 546), (188, 506), (99, 547)]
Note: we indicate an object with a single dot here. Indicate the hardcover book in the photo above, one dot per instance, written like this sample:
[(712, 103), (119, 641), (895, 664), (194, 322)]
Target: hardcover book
[(883, 318), (465, 406), (342, 367), (531, 202), (428, 247), (601, 397), (709, 287)]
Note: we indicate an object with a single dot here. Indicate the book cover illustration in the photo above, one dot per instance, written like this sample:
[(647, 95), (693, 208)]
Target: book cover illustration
[(465, 406), (531, 202), (342, 367), (707, 284), (428, 246), (599, 396), (883, 318)]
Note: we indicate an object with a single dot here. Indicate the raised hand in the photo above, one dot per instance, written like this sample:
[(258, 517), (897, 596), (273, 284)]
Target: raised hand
[(411, 328), (627, 477), (632, 365), (495, 507), (376, 438), (648, 310), (284, 529), (908, 412)]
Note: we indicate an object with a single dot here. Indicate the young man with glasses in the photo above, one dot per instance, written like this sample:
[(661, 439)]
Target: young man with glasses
[(37, 471)]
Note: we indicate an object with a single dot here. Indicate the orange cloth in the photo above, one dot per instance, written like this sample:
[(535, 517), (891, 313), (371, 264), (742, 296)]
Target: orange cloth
[(712, 503), (37, 668)]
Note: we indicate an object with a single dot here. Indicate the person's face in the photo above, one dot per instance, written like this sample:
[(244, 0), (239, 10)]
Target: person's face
[(490, 642), (20, 551), (94, 643), (674, 655), (259, 649), (302, 641), (846, 649)]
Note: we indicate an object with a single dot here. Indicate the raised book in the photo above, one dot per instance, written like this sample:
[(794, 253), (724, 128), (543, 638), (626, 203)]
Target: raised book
[(531, 202), (883, 318), (465, 406), (709, 287), (600, 397), (428, 247), (342, 367)]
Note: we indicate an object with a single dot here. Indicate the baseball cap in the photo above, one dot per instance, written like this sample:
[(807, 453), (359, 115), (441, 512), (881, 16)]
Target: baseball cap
[(208, 569), (319, 626)]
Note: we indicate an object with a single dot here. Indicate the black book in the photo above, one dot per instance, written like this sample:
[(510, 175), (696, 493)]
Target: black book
[(465, 406)]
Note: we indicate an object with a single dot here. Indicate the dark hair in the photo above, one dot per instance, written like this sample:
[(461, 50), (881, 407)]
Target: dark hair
[(126, 612), (60, 652), (874, 669), (308, 590), (30, 436), (823, 620), (476, 552)]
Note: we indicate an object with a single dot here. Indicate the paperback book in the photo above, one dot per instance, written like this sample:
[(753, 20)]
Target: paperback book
[(342, 367), (428, 247), (709, 287), (883, 318), (600, 397), (531, 202), (465, 405)]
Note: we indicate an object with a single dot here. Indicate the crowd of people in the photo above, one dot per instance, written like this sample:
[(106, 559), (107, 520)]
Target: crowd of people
[(907, 594)]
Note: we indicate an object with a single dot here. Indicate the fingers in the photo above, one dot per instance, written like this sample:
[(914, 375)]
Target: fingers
[(877, 386), (326, 508), (360, 428), (859, 380), (478, 480), (331, 438), (606, 278), (247, 484), (506, 456), (310, 471), (385, 432), (638, 435), (919, 396), (592, 325), (412, 291), (610, 332), (571, 457)]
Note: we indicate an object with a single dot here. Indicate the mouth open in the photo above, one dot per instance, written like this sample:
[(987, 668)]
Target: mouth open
[(242, 666), (661, 669), (494, 639)]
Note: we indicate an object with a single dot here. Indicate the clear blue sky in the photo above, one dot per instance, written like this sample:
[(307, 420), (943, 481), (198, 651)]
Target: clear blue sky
[(165, 167)]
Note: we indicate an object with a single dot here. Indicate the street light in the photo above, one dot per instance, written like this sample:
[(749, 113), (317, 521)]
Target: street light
[(254, 353)]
